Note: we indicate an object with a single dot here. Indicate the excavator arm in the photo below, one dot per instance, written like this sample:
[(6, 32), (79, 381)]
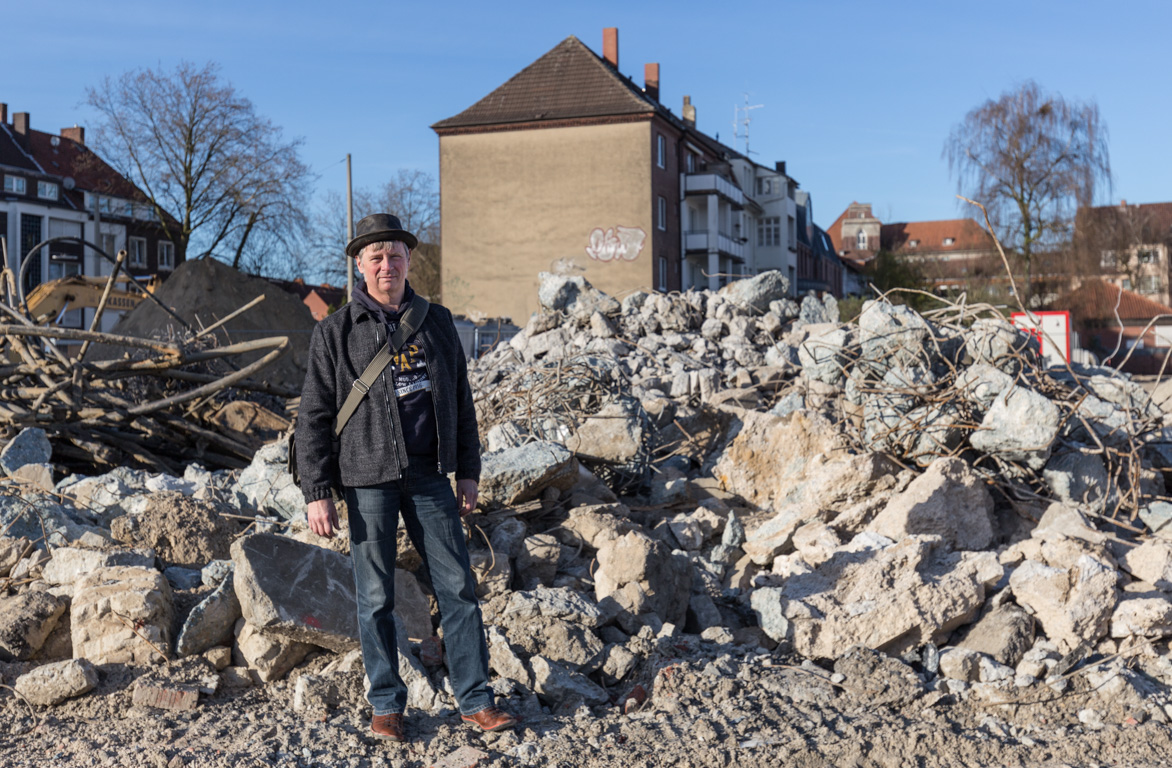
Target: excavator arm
[(48, 300)]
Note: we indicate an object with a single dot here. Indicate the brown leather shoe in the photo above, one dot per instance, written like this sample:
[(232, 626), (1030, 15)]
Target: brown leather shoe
[(389, 727), (491, 719)]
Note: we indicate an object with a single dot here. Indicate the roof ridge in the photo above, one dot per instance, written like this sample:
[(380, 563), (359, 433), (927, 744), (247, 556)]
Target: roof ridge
[(22, 150), (538, 91)]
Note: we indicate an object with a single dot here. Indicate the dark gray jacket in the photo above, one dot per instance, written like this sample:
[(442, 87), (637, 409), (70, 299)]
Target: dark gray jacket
[(372, 449)]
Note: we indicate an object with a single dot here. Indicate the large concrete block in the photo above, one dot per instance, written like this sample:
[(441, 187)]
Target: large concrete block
[(211, 621), (1073, 605), (71, 563), (26, 621), (948, 500), (121, 614), (640, 564), (515, 475), (297, 591), (51, 684)]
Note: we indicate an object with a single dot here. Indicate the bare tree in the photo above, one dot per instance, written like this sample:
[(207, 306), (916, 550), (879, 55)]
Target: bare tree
[(201, 153), (413, 197), (1031, 158)]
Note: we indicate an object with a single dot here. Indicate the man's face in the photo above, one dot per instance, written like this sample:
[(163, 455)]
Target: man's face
[(385, 270)]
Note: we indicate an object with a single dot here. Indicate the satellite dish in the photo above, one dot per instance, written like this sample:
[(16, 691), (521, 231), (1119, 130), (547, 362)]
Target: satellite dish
[(68, 182), (55, 140)]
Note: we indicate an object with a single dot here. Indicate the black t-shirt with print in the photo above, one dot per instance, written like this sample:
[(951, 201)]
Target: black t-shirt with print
[(408, 369)]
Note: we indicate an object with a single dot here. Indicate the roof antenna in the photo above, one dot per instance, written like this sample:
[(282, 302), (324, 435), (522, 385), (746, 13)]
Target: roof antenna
[(738, 121)]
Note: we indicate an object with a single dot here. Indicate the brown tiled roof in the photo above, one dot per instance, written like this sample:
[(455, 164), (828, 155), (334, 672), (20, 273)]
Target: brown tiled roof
[(569, 82), (967, 235), (50, 156), (1096, 299), (328, 293)]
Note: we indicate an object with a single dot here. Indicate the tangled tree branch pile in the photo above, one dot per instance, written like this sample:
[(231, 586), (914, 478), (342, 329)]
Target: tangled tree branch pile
[(151, 407)]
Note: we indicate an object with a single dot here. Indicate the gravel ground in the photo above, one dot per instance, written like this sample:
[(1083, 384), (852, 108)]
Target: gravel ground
[(716, 709)]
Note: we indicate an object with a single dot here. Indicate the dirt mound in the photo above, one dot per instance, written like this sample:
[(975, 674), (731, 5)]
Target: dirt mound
[(205, 290), (183, 531)]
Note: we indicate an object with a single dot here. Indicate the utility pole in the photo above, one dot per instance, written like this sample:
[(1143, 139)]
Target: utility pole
[(349, 229)]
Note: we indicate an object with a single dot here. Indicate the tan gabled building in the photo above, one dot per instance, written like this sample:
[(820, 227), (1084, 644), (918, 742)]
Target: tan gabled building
[(569, 164)]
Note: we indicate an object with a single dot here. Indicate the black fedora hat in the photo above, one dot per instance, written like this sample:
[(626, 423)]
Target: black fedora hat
[(376, 228)]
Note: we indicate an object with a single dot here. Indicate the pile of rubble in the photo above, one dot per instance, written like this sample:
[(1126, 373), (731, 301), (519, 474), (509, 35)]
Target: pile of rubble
[(687, 476)]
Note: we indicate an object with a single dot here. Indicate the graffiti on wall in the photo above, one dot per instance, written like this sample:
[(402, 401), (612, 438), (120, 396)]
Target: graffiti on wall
[(616, 243)]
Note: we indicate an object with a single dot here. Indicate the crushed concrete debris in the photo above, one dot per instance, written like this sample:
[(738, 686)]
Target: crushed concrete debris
[(704, 518)]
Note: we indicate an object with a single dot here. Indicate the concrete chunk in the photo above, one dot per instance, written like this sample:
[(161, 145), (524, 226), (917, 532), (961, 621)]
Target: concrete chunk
[(51, 684), (948, 500), (26, 621), (211, 621), (30, 446), (298, 591), (71, 563), (121, 614), (516, 475)]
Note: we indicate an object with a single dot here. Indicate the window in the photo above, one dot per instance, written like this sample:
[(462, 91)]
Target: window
[(690, 162), (660, 150), (14, 184), (69, 318), (913, 243), (1107, 260), (662, 281), (1147, 257), (46, 190), (1148, 284), (792, 229), (661, 220), (137, 252), (765, 186), (861, 240), (166, 255), (30, 235), (769, 231), (949, 240)]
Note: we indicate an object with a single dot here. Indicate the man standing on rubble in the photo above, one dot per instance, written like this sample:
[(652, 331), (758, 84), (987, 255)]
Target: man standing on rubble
[(413, 425)]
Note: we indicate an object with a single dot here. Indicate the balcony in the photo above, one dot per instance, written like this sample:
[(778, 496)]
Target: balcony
[(698, 241), (712, 184)]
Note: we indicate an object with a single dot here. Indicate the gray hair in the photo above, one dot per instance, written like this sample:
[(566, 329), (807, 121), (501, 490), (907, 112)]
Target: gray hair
[(388, 245)]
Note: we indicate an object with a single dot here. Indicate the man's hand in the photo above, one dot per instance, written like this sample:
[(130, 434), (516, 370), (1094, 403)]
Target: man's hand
[(323, 517), (466, 493)]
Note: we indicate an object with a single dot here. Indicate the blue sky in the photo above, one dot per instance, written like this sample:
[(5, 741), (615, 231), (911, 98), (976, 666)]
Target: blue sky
[(858, 97)]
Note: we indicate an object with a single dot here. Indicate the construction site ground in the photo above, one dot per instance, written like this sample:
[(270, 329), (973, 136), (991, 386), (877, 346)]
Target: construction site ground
[(765, 714)]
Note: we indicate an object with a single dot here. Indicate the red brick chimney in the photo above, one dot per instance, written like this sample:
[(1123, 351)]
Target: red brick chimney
[(20, 124), (610, 45), (651, 80), (76, 133)]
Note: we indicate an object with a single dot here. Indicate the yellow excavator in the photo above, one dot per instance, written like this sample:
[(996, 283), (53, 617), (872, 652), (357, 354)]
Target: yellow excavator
[(47, 301)]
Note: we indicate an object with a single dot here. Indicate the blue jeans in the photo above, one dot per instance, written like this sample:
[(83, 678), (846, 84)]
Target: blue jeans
[(427, 503)]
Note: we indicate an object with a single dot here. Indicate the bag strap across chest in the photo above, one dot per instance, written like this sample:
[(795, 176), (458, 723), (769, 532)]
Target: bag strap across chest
[(411, 322)]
